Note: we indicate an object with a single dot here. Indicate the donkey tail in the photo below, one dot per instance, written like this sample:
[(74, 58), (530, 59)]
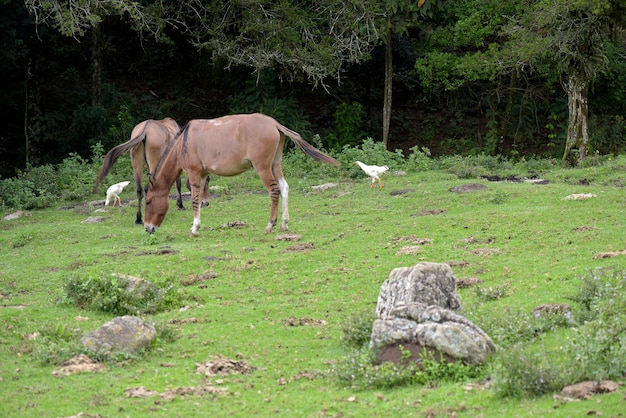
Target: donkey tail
[(307, 148), (115, 153)]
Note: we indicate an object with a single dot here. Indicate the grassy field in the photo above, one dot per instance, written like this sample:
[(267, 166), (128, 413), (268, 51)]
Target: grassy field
[(280, 305)]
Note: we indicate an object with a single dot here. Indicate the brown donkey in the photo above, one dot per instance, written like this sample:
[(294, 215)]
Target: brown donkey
[(226, 146), (149, 141)]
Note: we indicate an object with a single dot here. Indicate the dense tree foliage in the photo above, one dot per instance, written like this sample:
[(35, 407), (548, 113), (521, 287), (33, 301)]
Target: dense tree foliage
[(469, 76)]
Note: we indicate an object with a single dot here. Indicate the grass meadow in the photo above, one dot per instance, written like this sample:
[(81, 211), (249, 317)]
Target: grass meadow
[(281, 306)]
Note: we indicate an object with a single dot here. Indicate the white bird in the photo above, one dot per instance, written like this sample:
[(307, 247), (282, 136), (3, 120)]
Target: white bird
[(374, 171), (114, 191)]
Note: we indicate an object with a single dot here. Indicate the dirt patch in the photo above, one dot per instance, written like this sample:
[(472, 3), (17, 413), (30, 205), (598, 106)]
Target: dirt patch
[(300, 322), (299, 376), (94, 219), (171, 394), (473, 240), (16, 215), (190, 281), (468, 282), (161, 251), (234, 224), (430, 212), (468, 188), (412, 239), (487, 252), (220, 366), (78, 364), (324, 187), (580, 196), (585, 390), (410, 352), (401, 192), (288, 237), (514, 179), (409, 250), (301, 247), (584, 229), (609, 254), (185, 321), (457, 263), (552, 308)]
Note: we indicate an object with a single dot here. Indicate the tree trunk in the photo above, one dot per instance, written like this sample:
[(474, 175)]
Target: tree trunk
[(388, 88), (26, 114), (577, 135), (96, 68)]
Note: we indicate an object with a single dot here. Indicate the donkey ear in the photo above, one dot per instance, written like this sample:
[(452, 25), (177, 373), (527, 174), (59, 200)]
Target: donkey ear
[(150, 179)]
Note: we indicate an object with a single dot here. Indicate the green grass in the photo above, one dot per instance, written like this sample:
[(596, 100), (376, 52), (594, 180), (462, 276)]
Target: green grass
[(523, 238)]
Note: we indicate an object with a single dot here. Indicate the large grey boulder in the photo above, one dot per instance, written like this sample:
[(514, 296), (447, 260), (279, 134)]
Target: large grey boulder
[(426, 283), (416, 311), (124, 334)]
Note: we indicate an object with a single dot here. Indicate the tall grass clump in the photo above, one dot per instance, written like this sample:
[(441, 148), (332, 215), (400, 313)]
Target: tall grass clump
[(597, 349), (56, 343), (522, 372)]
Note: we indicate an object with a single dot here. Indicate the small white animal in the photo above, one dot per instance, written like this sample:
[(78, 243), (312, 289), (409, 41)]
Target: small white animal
[(374, 171), (114, 191)]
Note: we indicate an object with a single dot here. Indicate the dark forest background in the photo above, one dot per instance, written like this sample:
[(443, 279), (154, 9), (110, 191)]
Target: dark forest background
[(67, 91)]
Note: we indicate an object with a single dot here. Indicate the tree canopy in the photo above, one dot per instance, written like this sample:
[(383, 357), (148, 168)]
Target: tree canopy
[(469, 76)]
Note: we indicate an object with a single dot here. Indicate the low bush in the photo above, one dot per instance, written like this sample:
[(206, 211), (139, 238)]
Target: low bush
[(522, 372), (112, 294)]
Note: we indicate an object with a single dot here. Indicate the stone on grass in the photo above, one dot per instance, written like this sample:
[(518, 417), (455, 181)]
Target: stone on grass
[(124, 334), (427, 283), (417, 308), (136, 285)]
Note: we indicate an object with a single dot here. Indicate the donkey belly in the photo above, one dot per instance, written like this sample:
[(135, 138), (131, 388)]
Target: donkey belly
[(226, 168)]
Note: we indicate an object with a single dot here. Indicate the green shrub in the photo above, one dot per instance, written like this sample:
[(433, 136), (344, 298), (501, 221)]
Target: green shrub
[(602, 294), (296, 164), (22, 193), (42, 186), (356, 329), (370, 153), (522, 372), (598, 348), (358, 371), (111, 294), (512, 325), (76, 176), (431, 370), (56, 343), (418, 161)]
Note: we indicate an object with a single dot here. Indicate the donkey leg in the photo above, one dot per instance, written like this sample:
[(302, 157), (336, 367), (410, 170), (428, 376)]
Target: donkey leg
[(197, 185), (205, 193), (274, 191), (284, 194), (179, 200), (139, 221)]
